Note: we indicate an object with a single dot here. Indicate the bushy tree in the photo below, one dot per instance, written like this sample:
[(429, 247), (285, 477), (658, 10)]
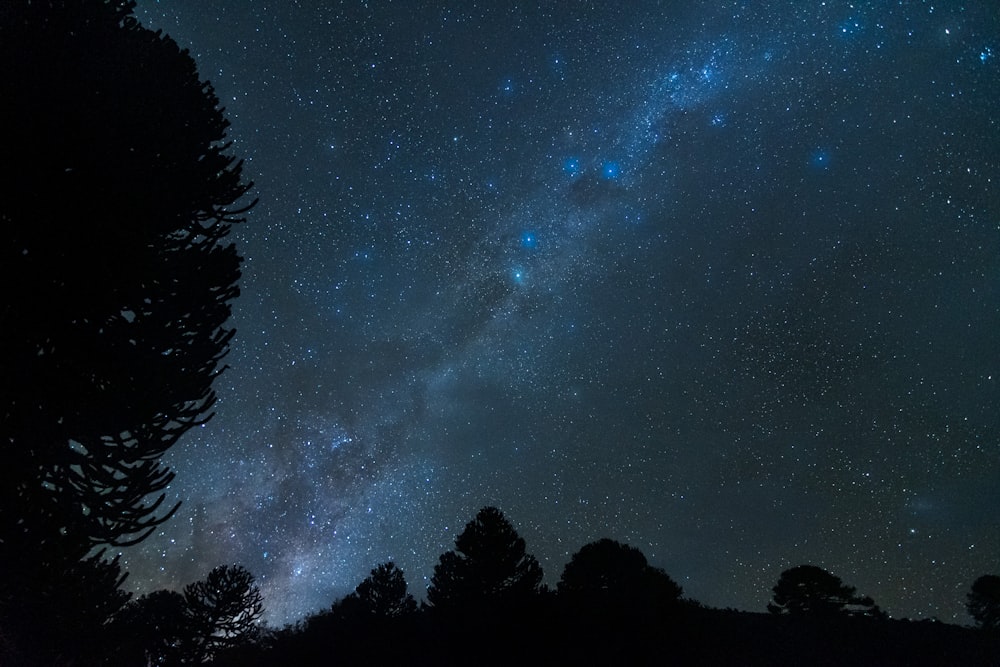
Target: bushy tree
[(115, 276), (223, 610), (383, 594), (808, 590), (983, 601), (488, 564), (607, 572)]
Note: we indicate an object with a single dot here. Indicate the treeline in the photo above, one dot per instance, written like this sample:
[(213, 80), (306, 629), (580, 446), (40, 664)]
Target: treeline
[(486, 604)]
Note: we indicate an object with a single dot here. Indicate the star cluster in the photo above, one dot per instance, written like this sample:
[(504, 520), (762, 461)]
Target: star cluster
[(720, 280)]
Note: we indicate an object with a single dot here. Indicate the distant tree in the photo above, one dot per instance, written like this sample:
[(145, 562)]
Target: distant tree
[(808, 590), (223, 611), (608, 572), (383, 594), (115, 277), (488, 564), (983, 601)]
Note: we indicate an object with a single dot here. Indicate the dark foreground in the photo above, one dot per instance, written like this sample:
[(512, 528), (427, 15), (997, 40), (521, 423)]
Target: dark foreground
[(686, 636)]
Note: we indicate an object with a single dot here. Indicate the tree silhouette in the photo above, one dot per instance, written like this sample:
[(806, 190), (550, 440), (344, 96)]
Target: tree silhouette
[(983, 602), (808, 590), (383, 594), (222, 610), (70, 610), (116, 280), (608, 572), (488, 564), (155, 629)]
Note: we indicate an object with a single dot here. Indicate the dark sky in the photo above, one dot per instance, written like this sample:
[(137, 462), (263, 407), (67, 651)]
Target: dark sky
[(717, 279)]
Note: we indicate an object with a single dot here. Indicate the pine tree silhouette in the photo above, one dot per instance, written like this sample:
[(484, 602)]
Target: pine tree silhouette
[(488, 564)]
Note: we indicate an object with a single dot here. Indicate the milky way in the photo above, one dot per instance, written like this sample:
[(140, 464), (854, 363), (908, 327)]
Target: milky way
[(717, 279)]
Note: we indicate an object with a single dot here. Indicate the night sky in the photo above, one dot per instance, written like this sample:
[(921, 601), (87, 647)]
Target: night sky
[(717, 279)]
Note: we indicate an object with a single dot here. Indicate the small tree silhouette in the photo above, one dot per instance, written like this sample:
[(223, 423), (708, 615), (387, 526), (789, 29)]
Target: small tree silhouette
[(383, 593), (489, 564), (223, 610), (983, 602), (808, 590)]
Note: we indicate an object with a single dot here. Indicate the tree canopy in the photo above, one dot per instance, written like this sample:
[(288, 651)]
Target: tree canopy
[(809, 590), (489, 563), (609, 571), (155, 629), (117, 197), (383, 593), (223, 610), (983, 601)]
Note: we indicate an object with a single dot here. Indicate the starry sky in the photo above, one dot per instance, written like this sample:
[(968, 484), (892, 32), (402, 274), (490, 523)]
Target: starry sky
[(719, 279)]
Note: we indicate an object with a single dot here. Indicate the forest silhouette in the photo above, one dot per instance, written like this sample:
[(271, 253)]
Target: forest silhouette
[(486, 604), (115, 328)]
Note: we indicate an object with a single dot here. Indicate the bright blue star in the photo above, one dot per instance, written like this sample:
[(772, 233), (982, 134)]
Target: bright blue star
[(985, 55), (820, 159), (571, 166), (529, 240), (610, 170)]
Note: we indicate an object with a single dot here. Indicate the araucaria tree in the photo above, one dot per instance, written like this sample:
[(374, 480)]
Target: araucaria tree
[(117, 278), (223, 610), (488, 565), (116, 197)]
